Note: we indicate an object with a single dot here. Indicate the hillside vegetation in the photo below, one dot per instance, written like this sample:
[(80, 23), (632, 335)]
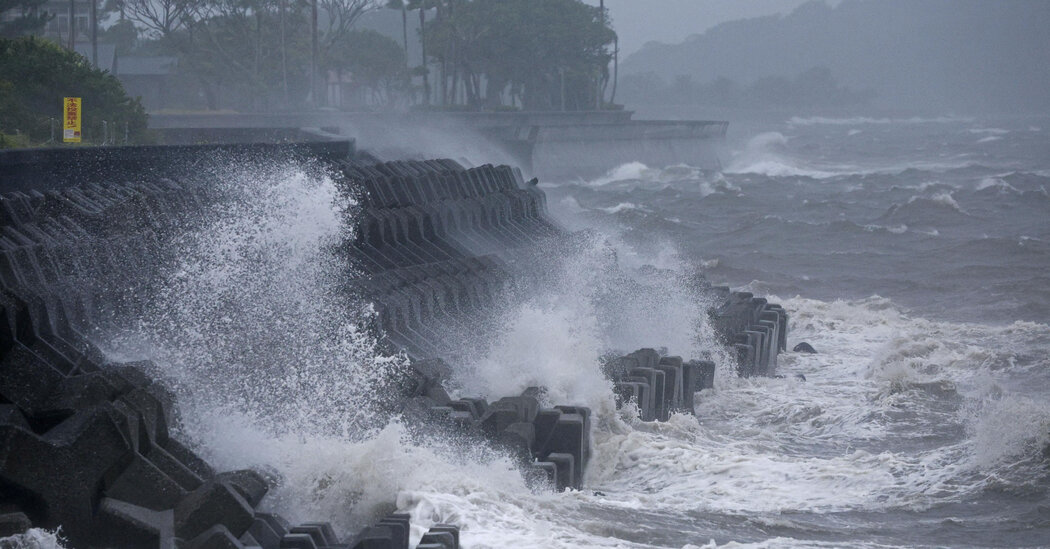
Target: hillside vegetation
[(966, 55)]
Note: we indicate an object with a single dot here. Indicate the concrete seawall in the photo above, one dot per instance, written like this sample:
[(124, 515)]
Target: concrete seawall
[(548, 145), (87, 444), (52, 168)]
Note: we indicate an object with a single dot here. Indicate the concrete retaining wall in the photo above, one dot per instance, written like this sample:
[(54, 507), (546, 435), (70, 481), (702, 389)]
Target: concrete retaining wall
[(544, 144), (52, 168)]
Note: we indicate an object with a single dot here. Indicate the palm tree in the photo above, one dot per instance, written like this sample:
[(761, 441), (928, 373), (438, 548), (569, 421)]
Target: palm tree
[(401, 5), (422, 6)]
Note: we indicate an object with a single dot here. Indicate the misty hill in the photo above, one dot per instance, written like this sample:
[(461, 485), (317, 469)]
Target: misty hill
[(814, 90), (963, 55)]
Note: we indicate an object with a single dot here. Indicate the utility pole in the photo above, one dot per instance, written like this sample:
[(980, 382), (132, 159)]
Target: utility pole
[(72, 24), (316, 100), (616, 68), (404, 29), (452, 55), (94, 33), (404, 37), (438, 16), (284, 56), (423, 46), (561, 73), (598, 91)]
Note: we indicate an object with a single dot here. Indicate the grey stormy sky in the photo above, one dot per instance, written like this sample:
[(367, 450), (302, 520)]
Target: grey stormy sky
[(672, 21)]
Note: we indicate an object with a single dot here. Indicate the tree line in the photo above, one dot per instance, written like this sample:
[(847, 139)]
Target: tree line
[(259, 55), (530, 54)]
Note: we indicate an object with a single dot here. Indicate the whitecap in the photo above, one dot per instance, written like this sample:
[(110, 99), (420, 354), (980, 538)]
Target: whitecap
[(995, 182), (718, 185), (993, 131), (624, 172), (897, 229), (862, 120), (641, 173), (570, 205), (765, 154), (622, 206), (947, 199), (942, 199), (1008, 427)]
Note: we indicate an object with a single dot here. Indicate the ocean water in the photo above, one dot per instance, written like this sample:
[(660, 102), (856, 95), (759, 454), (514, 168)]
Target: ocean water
[(911, 253)]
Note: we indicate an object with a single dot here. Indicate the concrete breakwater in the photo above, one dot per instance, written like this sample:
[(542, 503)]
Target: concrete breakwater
[(87, 443), (545, 144)]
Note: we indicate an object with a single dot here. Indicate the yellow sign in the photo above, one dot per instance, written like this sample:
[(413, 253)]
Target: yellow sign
[(71, 120)]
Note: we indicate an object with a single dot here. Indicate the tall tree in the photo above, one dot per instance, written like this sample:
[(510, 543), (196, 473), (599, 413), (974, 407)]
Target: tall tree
[(376, 63), (230, 44), (422, 6), (161, 18), (401, 6), (21, 17), (537, 48), (341, 16)]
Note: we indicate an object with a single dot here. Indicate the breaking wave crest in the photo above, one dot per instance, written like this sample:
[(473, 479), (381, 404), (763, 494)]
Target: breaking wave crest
[(766, 154), (862, 120), (637, 173)]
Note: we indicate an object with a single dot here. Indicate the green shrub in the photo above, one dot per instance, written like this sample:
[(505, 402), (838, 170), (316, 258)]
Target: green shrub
[(35, 74)]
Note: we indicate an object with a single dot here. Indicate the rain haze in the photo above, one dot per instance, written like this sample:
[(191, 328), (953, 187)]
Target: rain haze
[(638, 22)]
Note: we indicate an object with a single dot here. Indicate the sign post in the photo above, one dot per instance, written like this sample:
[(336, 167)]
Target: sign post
[(71, 120)]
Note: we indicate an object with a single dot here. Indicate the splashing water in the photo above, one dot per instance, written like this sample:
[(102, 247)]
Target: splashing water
[(601, 295), (255, 315), (34, 538), (270, 357), (275, 366)]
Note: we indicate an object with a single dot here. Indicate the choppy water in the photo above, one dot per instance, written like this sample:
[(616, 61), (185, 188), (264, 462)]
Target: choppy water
[(913, 254)]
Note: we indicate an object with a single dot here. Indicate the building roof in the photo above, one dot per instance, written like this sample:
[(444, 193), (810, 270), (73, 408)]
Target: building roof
[(136, 65), (107, 54)]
